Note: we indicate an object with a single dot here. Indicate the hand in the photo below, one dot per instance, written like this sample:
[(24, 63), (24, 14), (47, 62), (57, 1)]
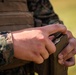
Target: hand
[(33, 44), (66, 57)]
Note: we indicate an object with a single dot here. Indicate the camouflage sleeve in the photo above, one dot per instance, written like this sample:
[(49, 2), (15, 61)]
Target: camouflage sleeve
[(6, 48), (43, 12)]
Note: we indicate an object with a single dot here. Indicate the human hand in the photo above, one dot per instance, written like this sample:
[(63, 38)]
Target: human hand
[(33, 44), (66, 57)]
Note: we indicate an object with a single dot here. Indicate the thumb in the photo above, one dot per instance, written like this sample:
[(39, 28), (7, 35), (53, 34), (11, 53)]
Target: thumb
[(54, 28)]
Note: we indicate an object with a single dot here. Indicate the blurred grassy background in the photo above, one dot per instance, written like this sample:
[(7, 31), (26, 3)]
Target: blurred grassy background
[(66, 9)]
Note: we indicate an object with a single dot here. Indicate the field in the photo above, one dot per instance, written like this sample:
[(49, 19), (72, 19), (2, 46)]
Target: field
[(66, 9)]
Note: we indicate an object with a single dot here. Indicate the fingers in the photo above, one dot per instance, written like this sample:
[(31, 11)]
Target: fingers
[(65, 51), (37, 58), (72, 53), (69, 34), (51, 29), (70, 62), (61, 61), (66, 57), (51, 37), (71, 46), (40, 55), (50, 46), (44, 53)]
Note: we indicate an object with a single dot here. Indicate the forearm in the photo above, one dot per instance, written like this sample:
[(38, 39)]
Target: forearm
[(6, 48)]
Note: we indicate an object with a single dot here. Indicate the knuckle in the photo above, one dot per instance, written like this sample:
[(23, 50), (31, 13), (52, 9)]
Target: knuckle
[(74, 52), (39, 47), (73, 41), (69, 31), (73, 63), (66, 51), (56, 25), (72, 44), (59, 26), (42, 38)]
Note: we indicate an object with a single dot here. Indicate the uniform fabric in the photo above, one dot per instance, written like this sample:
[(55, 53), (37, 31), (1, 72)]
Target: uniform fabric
[(20, 14)]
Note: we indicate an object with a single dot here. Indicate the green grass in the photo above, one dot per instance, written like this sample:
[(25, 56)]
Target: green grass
[(66, 9)]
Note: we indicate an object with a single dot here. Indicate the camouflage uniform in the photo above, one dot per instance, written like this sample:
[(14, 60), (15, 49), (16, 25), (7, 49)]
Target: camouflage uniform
[(42, 13)]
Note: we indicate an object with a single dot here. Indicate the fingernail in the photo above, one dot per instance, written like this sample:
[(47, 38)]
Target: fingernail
[(61, 62), (60, 56)]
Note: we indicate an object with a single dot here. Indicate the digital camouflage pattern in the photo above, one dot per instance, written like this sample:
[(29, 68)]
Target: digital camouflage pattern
[(43, 14), (43, 10), (6, 48)]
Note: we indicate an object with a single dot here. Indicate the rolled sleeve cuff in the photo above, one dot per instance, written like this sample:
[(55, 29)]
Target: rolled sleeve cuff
[(6, 48)]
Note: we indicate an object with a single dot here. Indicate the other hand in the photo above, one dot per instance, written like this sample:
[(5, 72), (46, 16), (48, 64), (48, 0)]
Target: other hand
[(66, 57)]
